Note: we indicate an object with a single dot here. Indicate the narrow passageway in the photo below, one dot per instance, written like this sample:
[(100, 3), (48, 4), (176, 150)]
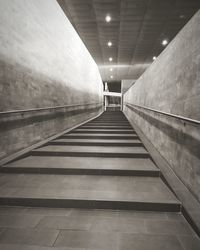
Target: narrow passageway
[(95, 187)]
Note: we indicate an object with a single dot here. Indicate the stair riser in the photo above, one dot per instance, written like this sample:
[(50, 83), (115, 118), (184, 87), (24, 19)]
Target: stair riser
[(108, 124), (110, 120), (96, 144), (99, 137), (72, 171), (90, 204), (101, 131), (90, 154), (104, 127)]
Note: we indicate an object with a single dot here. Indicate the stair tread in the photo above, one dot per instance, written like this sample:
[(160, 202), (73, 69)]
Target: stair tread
[(104, 130), (84, 162), (100, 134), (84, 187), (98, 140), (88, 149), (106, 126)]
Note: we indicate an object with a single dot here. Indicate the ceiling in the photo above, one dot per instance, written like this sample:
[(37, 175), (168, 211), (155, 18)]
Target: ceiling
[(136, 30)]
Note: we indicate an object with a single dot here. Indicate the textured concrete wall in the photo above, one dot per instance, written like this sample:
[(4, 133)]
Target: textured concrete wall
[(172, 84), (126, 84), (43, 63)]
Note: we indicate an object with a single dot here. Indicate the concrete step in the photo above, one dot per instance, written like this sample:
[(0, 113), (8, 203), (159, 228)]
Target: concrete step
[(100, 136), (110, 119), (96, 142), (106, 127), (110, 122), (83, 165), (87, 191), (99, 124), (105, 131), (91, 151)]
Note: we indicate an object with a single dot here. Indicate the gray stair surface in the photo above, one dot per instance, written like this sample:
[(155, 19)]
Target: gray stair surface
[(141, 193), (105, 151), (84, 165), (101, 136), (94, 188), (96, 142)]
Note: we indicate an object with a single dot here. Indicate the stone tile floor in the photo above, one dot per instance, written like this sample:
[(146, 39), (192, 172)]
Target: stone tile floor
[(78, 229)]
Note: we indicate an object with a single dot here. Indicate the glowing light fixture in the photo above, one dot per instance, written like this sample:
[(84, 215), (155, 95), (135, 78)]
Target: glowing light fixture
[(110, 59), (111, 77), (108, 18), (164, 42), (111, 69), (109, 44), (182, 16), (154, 58)]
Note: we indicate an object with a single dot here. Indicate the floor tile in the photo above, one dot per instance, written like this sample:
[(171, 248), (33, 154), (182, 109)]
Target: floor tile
[(103, 213), (168, 227), (175, 216), (48, 211), (129, 215), (29, 236), (118, 225), (87, 240), (28, 247), (147, 242), (63, 222), (19, 221), (23, 247), (189, 243), (11, 210)]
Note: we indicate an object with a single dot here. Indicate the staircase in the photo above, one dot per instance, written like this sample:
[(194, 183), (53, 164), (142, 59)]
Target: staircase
[(100, 167)]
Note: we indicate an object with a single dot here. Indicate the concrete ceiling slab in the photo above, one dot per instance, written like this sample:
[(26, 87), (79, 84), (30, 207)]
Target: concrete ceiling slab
[(136, 31)]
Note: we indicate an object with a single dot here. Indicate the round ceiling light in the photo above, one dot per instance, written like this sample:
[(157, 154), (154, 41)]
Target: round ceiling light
[(108, 18), (164, 42)]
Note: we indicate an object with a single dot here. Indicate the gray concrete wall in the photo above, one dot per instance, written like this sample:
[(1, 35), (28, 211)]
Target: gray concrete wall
[(43, 63), (172, 84), (126, 84)]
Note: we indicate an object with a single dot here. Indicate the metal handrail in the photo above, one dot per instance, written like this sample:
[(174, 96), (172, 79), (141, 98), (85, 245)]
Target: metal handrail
[(165, 113), (47, 108)]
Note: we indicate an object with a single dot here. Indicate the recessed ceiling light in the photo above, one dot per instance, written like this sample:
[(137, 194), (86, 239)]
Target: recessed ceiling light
[(182, 16), (154, 58), (111, 69), (111, 77), (108, 18), (109, 44), (164, 42), (110, 59)]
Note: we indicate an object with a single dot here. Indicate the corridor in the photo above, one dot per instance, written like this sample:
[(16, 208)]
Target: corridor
[(99, 125)]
